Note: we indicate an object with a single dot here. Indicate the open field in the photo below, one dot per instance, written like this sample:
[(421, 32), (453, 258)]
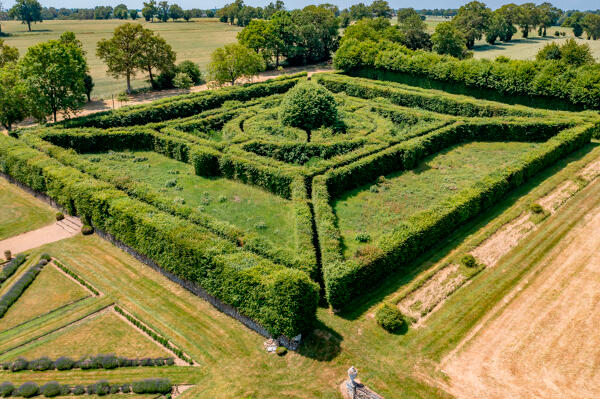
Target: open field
[(50, 290), (432, 146), (540, 342), (21, 212), (194, 41)]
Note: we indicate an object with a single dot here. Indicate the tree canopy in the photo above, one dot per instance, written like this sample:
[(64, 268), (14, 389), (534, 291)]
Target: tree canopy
[(14, 101), (27, 11), (7, 53), (233, 61), (447, 39)]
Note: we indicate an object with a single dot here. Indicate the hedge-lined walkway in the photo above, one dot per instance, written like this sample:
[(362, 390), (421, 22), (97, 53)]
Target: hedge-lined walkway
[(68, 227)]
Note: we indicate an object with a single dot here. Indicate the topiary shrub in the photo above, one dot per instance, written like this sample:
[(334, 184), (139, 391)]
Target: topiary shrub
[(59, 216), (6, 389), (19, 364), (308, 106), (87, 230), (45, 257), (28, 390), (126, 388), (7, 254), (281, 350), (391, 319), (64, 363), (109, 362), (41, 364), (468, 260), (536, 208), (79, 390), (114, 388), (65, 390), (50, 389)]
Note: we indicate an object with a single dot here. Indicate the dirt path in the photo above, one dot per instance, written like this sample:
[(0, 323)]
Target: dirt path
[(545, 343), (44, 235), (143, 98)]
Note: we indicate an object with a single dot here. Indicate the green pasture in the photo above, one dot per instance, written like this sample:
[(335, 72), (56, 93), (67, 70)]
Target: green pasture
[(194, 41)]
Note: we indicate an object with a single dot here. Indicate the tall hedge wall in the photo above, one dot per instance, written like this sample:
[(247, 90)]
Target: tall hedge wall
[(281, 299), (553, 79), (345, 279)]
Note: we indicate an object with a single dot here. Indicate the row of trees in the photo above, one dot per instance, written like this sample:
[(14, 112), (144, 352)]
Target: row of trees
[(163, 11), (52, 77), (301, 36)]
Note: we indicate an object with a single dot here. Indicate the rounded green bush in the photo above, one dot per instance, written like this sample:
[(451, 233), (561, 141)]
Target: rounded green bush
[(50, 389), (79, 390), (308, 106), (281, 350), (45, 257), (41, 364), (87, 230), (536, 208), (64, 363), (6, 389), (391, 319), (468, 260), (59, 216), (192, 70), (19, 364), (28, 390)]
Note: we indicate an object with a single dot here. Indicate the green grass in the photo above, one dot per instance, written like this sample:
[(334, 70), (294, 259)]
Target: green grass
[(245, 206), (103, 333), (431, 184), (21, 212), (50, 290), (193, 41)]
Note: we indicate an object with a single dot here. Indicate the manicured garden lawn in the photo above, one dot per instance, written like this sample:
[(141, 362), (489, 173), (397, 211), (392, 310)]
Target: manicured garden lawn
[(245, 206), (384, 205), (193, 41), (50, 290), (21, 212), (104, 333)]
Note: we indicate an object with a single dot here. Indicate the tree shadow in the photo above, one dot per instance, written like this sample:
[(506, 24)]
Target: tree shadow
[(404, 275), (322, 343)]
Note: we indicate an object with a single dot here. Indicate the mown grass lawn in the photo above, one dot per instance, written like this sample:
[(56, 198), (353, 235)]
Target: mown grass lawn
[(245, 206), (382, 206), (103, 333), (51, 289), (193, 41), (21, 212)]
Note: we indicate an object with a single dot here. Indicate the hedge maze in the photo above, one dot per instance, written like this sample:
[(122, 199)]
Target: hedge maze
[(214, 190)]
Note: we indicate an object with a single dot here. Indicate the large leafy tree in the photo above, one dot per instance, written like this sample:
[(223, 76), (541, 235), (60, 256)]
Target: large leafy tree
[(527, 18), (506, 19), (447, 39), (360, 11), (14, 103), (575, 21), (257, 36), (163, 11), (316, 29), (155, 54), (472, 20), (7, 53), (380, 8), (547, 16), (122, 52), (27, 11), (133, 14), (499, 27), (283, 35), (591, 25), (308, 106), (413, 30), (232, 62), (55, 72), (149, 11), (175, 12), (120, 11)]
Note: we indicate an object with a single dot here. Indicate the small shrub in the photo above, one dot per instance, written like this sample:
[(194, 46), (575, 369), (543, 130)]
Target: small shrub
[(126, 388), (109, 362), (79, 390), (191, 70), (363, 237), (65, 390), (63, 363), (182, 81), (170, 183), (41, 364), (468, 260), (45, 257), (556, 33), (536, 208), (114, 388), (222, 198), (6, 389), (152, 385), (43, 262), (86, 230), (391, 319), (59, 216), (281, 350), (102, 388), (19, 364), (7, 254), (50, 389), (28, 390), (260, 225)]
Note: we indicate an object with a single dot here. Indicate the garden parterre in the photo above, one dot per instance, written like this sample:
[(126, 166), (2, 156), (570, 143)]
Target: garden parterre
[(213, 189)]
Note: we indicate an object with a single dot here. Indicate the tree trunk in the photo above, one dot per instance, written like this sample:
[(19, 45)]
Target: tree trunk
[(151, 77), (54, 113), (308, 132), (128, 84), (29, 25), (277, 59)]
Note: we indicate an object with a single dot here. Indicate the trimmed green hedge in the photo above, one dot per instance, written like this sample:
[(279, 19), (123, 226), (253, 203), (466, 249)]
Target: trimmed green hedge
[(301, 153), (551, 78), (345, 279), (16, 290), (11, 267), (430, 100), (182, 106), (282, 300)]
